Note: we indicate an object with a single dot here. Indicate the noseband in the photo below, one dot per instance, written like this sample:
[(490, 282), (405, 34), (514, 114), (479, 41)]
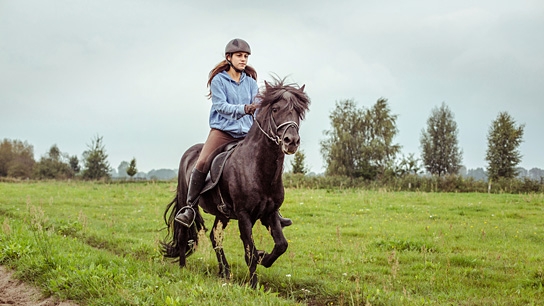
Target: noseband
[(275, 137)]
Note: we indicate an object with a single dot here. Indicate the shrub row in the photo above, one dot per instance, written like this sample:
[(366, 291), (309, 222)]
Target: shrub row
[(450, 183)]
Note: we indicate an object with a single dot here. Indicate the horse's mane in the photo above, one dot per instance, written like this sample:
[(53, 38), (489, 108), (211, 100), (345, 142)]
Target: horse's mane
[(278, 90)]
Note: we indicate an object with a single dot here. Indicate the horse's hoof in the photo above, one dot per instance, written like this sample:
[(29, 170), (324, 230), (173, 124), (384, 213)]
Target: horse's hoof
[(285, 222), (253, 282), (225, 275), (261, 255)]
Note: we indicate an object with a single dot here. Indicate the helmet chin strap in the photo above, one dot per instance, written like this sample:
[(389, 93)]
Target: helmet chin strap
[(232, 66), (235, 69)]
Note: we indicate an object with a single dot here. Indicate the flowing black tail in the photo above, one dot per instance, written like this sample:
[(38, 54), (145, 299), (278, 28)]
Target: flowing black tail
[(180, 241)]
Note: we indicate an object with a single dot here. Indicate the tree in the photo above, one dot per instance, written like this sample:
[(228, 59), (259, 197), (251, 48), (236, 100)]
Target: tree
[(440, 152), (297, 164), (536, 174), (16, 159), (74, 164), (478, 174), (122, 169), (381, 131), (359, 143), (408, 165), (521, 172), (343, 147), (95, 160), (503, 140), (53, 165), (131, 170)]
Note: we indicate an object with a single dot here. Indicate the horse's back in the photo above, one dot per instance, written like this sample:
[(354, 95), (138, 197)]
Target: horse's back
[(188, 160), (191, 154)]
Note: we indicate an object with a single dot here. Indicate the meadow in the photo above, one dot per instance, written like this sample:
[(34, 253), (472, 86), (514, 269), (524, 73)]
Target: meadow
[(99, 244)]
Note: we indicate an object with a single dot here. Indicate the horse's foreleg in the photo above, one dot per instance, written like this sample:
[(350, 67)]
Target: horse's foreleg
[(216, 236), (280, 243), (246, 226)]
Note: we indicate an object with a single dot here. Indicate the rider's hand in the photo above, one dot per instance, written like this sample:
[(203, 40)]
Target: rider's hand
[(250, 108)]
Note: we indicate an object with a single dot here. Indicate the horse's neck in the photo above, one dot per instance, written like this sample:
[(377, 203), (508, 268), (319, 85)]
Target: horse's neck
[(264, 154)]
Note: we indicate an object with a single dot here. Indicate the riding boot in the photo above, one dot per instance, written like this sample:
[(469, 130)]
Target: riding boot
[(186, 215), (284, 221)]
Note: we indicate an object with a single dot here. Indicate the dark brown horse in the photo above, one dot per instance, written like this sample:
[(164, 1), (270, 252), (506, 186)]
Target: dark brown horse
[(250, 187)]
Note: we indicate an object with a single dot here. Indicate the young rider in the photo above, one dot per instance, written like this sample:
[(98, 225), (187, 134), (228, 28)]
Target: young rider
[(233, 88)]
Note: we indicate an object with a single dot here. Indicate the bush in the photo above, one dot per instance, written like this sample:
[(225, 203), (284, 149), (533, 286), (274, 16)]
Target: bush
[(411, 182)]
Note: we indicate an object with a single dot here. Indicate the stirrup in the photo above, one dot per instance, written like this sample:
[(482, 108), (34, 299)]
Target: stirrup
[(182, 212)]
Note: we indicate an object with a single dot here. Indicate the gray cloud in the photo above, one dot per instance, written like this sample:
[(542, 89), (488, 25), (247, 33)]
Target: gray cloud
[(135, 72)]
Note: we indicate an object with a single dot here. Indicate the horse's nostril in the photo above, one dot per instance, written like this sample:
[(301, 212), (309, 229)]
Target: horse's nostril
[(292, 141)]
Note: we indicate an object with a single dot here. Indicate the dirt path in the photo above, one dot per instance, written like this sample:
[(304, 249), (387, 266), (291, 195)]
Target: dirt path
[(14, 292)]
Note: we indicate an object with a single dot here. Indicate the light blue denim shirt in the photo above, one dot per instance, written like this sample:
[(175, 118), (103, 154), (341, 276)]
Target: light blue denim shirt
[(228, 99)]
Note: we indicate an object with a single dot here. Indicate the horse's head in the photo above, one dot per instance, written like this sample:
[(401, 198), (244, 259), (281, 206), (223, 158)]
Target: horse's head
[(281, 108)]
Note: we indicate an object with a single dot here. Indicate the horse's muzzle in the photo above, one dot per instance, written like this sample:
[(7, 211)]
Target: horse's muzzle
[(289, 145), (290, 152)]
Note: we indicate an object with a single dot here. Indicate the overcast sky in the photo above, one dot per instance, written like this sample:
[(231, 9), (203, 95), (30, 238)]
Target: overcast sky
[(135, 72)]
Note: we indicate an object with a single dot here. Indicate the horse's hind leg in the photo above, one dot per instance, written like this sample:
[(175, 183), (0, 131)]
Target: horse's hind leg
[(182, 242), (216, 236)]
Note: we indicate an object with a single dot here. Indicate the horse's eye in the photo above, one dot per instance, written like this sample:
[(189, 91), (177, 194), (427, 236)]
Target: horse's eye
[(275, 109)]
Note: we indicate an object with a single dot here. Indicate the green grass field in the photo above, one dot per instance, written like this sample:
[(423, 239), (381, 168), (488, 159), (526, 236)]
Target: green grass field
[(98, 244)]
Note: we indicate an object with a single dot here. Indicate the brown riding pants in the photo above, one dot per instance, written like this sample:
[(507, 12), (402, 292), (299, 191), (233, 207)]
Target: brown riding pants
[(217, 139)]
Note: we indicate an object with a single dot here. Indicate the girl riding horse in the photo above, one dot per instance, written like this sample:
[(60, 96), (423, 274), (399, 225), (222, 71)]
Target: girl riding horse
[(233, 88)]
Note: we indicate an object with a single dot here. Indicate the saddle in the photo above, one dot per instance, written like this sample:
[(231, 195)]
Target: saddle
[(216, 168)]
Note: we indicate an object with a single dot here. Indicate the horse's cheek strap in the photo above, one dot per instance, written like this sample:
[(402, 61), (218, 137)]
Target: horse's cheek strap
[(276, 139)]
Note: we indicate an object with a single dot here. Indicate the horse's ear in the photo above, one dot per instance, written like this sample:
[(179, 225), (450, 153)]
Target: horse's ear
[(267, 86), (302, 88)]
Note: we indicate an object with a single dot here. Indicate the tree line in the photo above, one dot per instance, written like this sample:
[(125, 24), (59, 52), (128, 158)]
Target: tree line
[(17, 161), (359, 152), (359, 144)]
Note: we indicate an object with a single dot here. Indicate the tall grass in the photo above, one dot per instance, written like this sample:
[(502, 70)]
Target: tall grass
[(99, 244)]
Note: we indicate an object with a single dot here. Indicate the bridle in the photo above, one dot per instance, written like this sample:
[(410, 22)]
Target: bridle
[(275, 137)]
